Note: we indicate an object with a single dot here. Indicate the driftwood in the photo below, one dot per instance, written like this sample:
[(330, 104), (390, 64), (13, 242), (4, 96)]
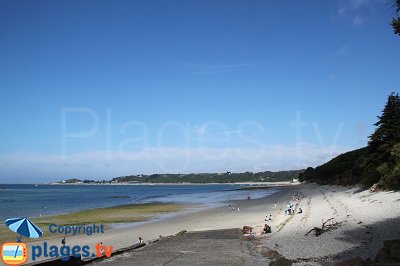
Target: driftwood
[(328, 225)]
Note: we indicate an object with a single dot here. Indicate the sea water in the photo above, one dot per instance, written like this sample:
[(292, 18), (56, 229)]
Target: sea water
[(39, 200)]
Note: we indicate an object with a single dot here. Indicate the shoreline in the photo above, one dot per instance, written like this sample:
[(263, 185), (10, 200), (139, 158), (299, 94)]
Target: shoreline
[(191, 219), (367, 219), (159, 200), (107, 216)]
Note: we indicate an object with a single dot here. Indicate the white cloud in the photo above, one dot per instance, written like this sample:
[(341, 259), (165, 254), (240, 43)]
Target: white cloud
[(354, 10), (350, 6)]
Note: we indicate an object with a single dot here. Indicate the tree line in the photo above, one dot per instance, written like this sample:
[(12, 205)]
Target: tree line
[(378, 163)]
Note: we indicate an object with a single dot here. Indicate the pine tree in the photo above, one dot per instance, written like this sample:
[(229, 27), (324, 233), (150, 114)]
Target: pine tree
[(396, 25), (383, 165), (396, 20), (387, 133)]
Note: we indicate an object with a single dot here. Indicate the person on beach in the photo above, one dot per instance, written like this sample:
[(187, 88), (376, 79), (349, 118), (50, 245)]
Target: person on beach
[(268, 218), (274, 207), (63, 242), (140, 240), (229, 207), (266, 229), (233, 208)]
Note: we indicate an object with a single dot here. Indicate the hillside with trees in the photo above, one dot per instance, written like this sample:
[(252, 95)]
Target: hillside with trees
[(379, 162), (200, 178), (227, 177)]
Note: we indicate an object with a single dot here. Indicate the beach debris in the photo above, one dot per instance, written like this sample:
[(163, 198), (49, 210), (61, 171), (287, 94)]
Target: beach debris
[(328, 225)]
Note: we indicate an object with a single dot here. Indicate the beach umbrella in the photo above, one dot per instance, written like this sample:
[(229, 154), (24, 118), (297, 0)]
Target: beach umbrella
[(24, 227)]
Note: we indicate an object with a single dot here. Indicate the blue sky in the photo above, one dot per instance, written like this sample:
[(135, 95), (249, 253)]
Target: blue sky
[(98, 89)]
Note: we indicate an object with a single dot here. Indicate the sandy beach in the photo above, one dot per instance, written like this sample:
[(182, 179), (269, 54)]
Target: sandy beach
[(252, 213), (367, 219)]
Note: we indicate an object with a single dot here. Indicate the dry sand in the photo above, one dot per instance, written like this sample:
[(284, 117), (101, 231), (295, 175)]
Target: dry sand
[(368, 219)]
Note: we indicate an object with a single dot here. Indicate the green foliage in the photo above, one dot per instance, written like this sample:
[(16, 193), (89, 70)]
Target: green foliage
[(387, 133), (396, 20), (345, 168), (396, 25), (378, 162), (201, 178), (227, 177), (390, 170), (370, 174)]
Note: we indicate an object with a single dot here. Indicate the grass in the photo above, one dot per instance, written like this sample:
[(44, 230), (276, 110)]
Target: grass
[(118, 214)]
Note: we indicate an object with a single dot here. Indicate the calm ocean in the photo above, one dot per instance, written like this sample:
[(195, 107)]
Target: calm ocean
[(33, 201)]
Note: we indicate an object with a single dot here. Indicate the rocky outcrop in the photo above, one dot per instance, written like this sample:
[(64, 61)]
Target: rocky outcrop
[(390, 253)]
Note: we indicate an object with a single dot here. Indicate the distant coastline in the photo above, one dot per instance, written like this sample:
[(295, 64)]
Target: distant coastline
[(196, 178)]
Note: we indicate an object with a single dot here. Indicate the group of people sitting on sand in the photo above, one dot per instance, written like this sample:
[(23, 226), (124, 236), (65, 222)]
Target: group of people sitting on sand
[(268, 218), (292, 208)]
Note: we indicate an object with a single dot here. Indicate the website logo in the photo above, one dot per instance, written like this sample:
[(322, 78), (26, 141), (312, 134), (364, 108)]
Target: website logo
[(24, 227), (14, 253)]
